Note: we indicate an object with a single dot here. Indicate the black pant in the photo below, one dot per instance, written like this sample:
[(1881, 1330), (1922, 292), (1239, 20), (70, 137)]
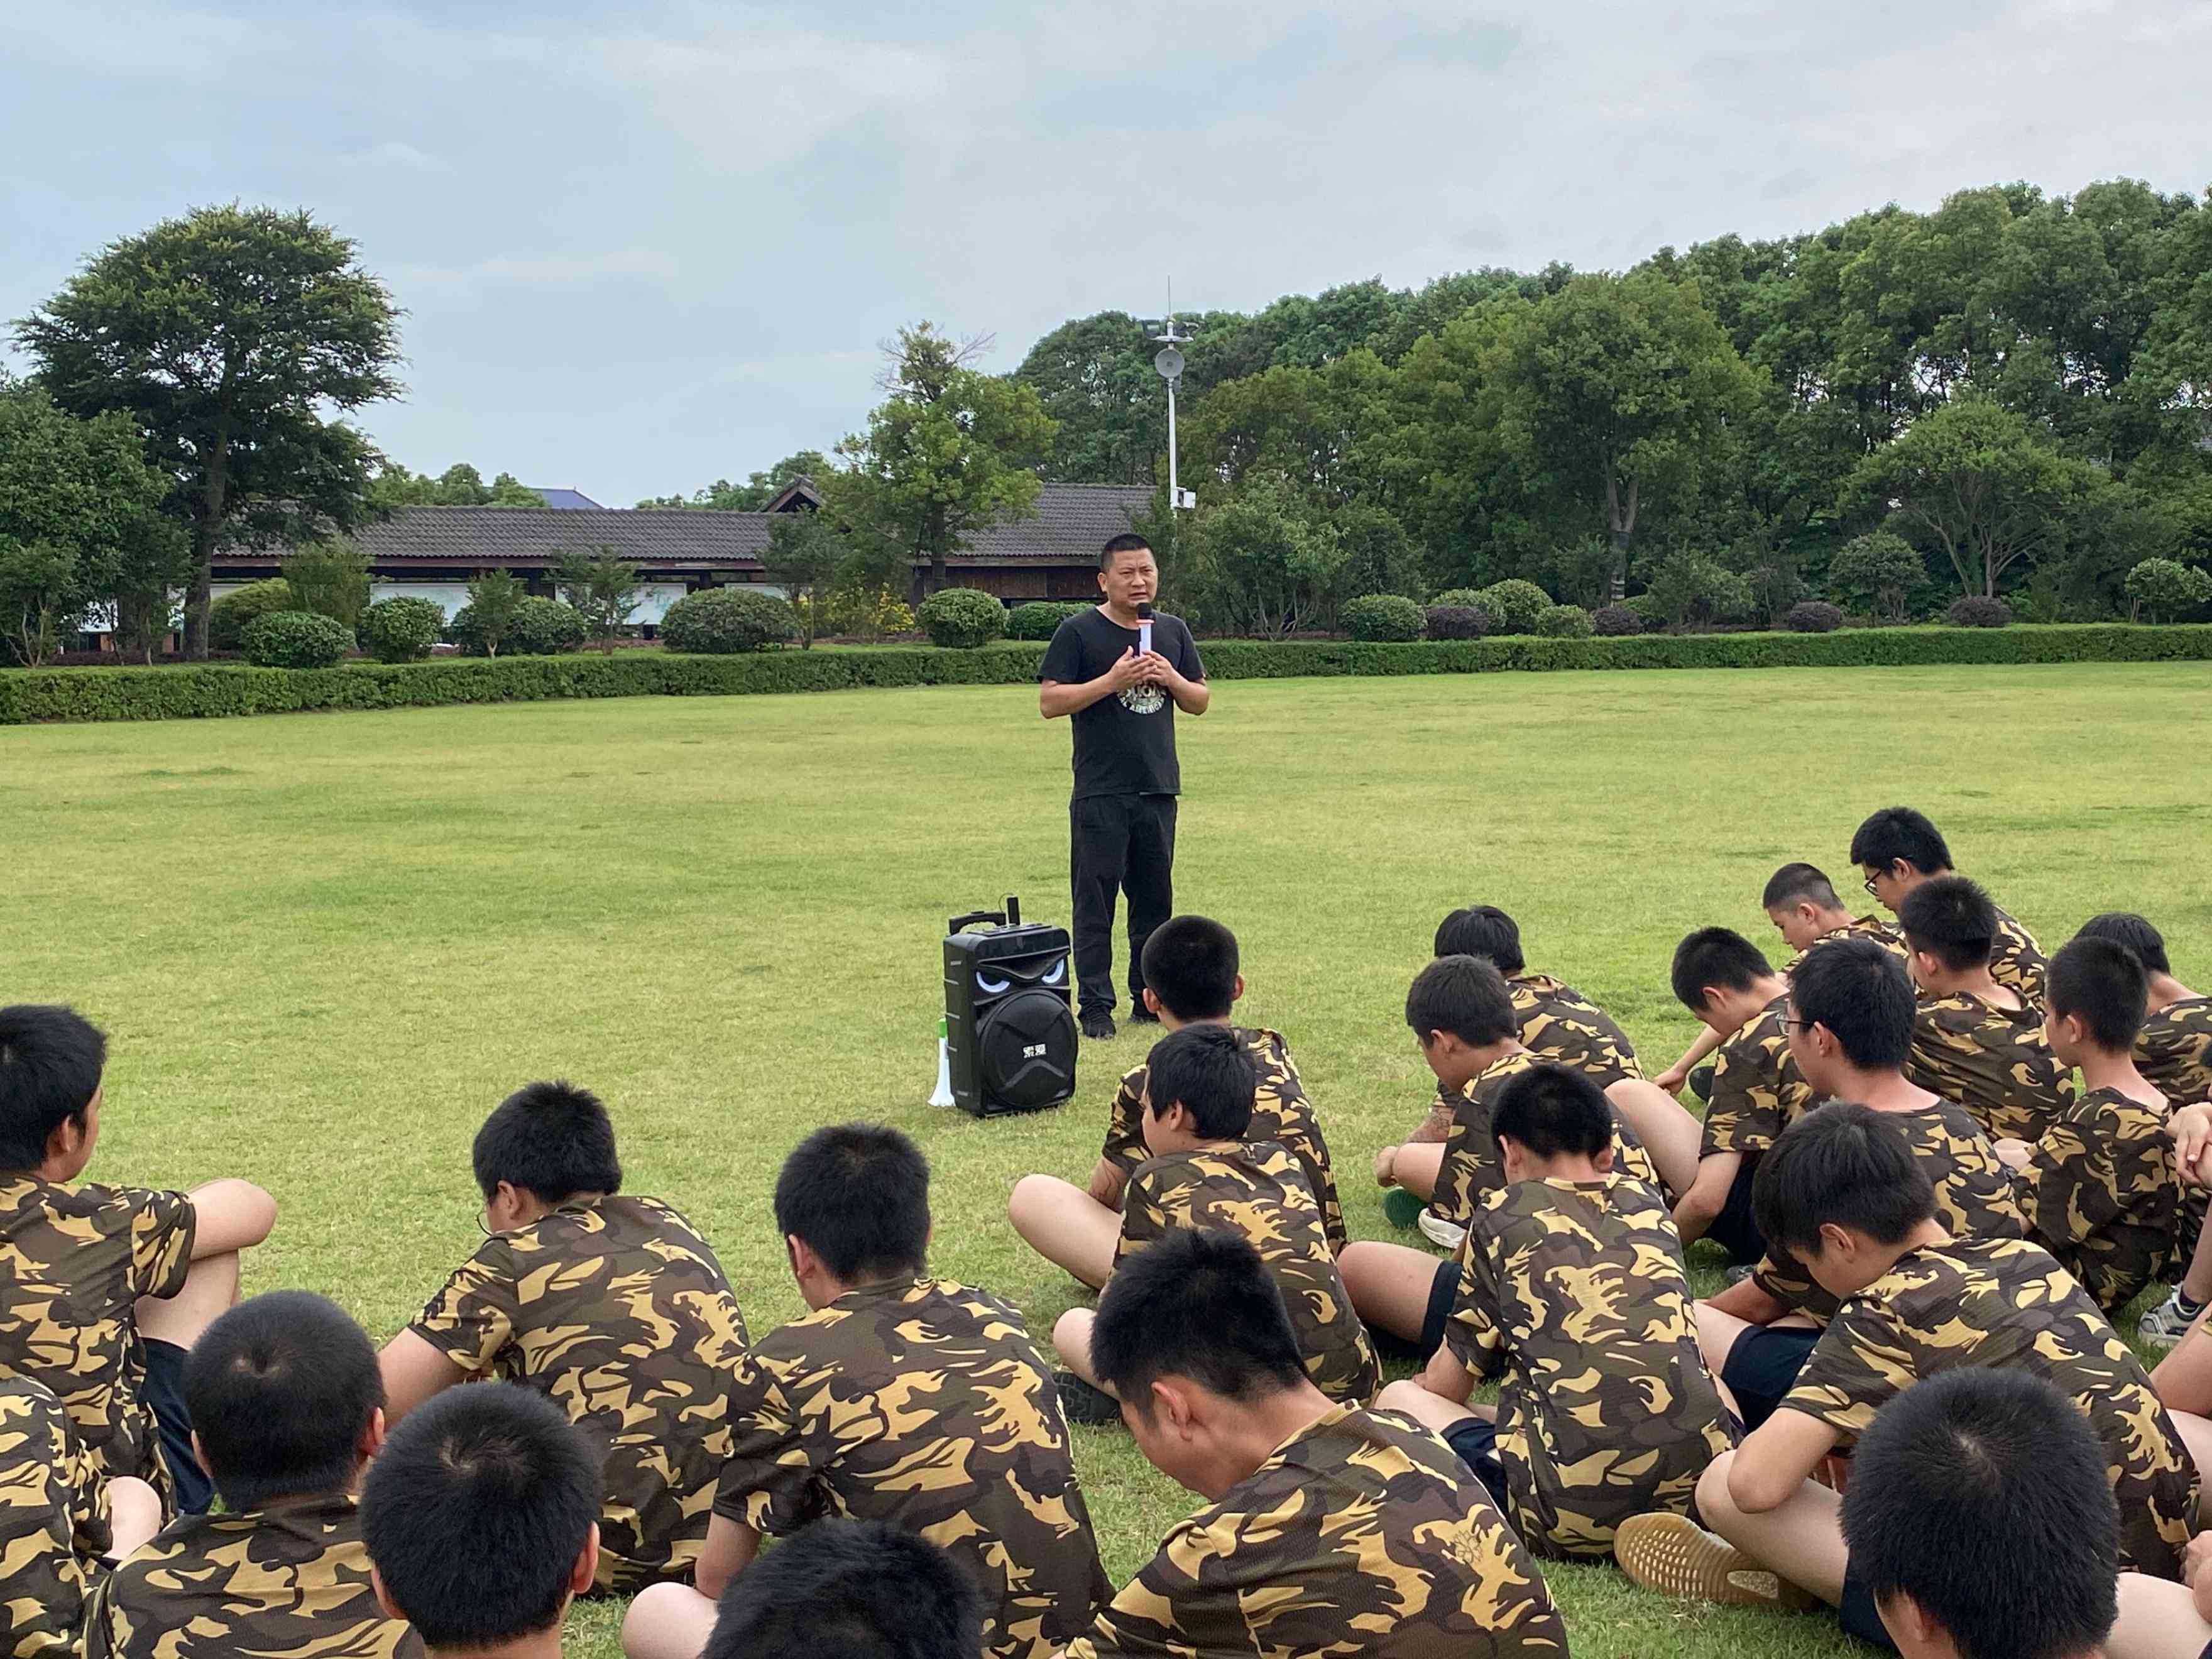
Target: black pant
[(1116, 844)]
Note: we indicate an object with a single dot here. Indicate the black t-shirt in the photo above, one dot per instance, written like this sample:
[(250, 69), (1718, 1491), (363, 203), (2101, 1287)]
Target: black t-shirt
[(1124, 744)]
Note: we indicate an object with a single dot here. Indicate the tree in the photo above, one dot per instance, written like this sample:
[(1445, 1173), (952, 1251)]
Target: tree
[(459, 485), (755, 493), (226, 335), (1877, 574), (602, 589), (495, 599), (330, 578), (807, 555), (1263, 563), (1094, 381), (2163, 587)]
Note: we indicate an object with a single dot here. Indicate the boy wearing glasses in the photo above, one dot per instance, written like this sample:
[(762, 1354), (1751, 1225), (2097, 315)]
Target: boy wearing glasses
[(612, 1307), (1898, 848)]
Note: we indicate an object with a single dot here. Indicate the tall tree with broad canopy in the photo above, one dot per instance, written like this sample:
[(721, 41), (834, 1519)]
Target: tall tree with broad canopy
[(756, 492)]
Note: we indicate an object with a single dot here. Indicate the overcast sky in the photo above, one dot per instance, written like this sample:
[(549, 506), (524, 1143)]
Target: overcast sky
[(643, 246)]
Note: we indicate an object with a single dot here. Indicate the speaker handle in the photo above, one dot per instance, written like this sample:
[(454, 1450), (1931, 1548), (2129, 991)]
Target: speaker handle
[(959, 924)]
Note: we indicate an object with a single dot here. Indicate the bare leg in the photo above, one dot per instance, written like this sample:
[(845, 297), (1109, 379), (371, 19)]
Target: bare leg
[(134, 1513), (1716, 1335), (667, 1621), (2197, 1283), (2195, 1433), (1066, 1226), (2183, 1377), (1669, 1133), (1800, 1539), (211, 1291), (1417, 1168), (1388, 1285), (2158, 1621), (1071, 1340), (1432, 1410)]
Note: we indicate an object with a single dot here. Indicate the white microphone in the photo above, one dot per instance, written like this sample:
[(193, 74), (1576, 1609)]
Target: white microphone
[(1144, 627)]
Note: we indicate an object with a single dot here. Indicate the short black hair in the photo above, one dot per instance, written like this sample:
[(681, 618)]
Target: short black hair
[(1206, 1069), (1952, 919), (1553, 1112), (1127, 542), (475, 1513), (1716, 956), (2101, 983), (1485, 930), (1465, 996), (850, 1589), (550, 1140), (1983, 1495), (1197, 1303), (1900, 832), (1794, 883), (1190, 964), (1842, 1165), (2125, 927), (858, 1193), (1860, 991), (281, 1389), (50, 1059)]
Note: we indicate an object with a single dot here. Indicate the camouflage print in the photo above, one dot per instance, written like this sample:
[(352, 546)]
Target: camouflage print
[(1882, 932), (287, 1582), (74, 1263), (1364, 1534), (923, 1403), (2174, 1053), (2016, 961), (2000, 1303), (1280, 1112), (2102, 1195), (1974, 1198), (1260, 1193), (1560, 1024), (52, 1529), (617, 1312), (1758, 1091), (1993, 1061), (1472, 1168), (1574, 1292)]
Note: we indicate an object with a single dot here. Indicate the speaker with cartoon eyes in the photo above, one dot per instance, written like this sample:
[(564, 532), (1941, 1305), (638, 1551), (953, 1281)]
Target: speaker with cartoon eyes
[(1009, 1012)]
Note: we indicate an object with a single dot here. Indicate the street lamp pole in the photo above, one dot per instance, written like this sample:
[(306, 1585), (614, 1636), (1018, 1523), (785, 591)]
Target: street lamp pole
[(1168, 364)]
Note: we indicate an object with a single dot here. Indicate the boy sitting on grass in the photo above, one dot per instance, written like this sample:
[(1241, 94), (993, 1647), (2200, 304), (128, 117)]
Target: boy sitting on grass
[(850, 1589), (58, 1521), (1191, 978), (286, 1408), (1204, 1172), (614, 1308), (1570, 1287), (104, 1290), (1975, 1041), (1898, 848), (1329, 1529)]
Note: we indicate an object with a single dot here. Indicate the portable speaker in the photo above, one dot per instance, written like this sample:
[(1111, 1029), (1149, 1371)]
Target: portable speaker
[(1009, 1013)]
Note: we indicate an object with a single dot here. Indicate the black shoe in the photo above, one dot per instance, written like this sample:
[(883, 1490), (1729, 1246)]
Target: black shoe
[(1141, 1015), (1097, 1026), (1701, 1084), (1081, 1403)]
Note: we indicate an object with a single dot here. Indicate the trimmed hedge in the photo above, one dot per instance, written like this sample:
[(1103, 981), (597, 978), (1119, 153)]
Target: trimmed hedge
[(297, 638), (120, 694), (1040, 619), (1375, 617), (961, 618), (721, 622)]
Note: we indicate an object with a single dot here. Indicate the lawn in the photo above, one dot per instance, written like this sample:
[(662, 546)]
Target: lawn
[(324, 946)]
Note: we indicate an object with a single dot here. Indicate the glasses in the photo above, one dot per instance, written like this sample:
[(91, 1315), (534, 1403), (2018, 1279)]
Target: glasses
[(1868, 884), (1789, 1023), (484, 1224)]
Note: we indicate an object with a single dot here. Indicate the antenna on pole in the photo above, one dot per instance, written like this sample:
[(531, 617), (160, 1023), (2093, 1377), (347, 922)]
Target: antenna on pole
[(1168, 363)]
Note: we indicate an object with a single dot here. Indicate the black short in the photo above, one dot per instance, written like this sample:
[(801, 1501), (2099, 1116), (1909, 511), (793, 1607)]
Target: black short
[(1763, 1366), (1475, 1440), (1443, 1290), (1733, 1229), (1858, 1614), (165, 1393)]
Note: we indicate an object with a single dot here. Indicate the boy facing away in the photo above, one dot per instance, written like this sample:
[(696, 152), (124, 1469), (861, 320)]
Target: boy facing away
[(104, 1290), (1898, 848), (58, 1521), (851, 1590), (614, 1308)]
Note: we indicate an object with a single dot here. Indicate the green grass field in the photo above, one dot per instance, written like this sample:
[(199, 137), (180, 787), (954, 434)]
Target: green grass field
[(325, 946)]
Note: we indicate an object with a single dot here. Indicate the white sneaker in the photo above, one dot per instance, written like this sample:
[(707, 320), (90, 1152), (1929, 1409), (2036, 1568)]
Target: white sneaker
[(1439, 1232), (2169, 1322)]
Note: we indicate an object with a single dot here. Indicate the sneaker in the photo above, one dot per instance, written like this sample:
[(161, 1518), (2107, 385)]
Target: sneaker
[(1401, 1208), (1701, 1084), (1675, 1556), (2169, 1322), (1141, 1015), (1097, 1026), (1742, 1271), (1081, 1403), (1447, 1234)]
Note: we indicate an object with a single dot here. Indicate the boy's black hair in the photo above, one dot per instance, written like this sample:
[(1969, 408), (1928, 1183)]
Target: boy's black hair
[(1465, 996), (1861, 991), (1841, 1165), (549, 1140), (850, 1589), (1952, 919), (1197, 1303), (476, 1511), (2125, 927), (1485, 930), (281, 1389), (1799, 883), (1553, 1112), (1190, 964), (1983, 1495), (2101, 983), (1900, 832), (1127, 542), (1205, 1070), (50, 1059), (858, 1193), (1716, 956)]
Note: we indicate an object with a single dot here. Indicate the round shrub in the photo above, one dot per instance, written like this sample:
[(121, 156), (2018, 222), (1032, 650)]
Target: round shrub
[(1456, 622), (1978, 610), (1812, 617), (1564, 622), (723, 621), (545, 627), (961, 618), (1614, 620), (1040, 619), (228, 616), (297, 638), (1465, 597), (1514, 604), (2164, 588), (1378, 616), (401, 629)]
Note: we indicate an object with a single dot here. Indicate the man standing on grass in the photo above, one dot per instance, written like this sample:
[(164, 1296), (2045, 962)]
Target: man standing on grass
[(1120, 673)]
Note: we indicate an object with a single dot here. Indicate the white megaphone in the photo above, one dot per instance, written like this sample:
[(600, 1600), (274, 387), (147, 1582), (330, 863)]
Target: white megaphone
[(943, 1094)]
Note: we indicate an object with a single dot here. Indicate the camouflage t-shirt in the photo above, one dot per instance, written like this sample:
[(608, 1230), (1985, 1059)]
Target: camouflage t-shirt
[(618, 1312), (1560, 1024), (2174, 1051), (2102, 1195), (1882, 932), (1758, 1091), (1473, 1169), (1574, 1292), (924, 1404), (74, 1263), (2000, 1303), (287, 1582), (1259, 1192), (1364, 1534), (1280, 1112), (2016, 961), (53, 1525), (1993, 1061)]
